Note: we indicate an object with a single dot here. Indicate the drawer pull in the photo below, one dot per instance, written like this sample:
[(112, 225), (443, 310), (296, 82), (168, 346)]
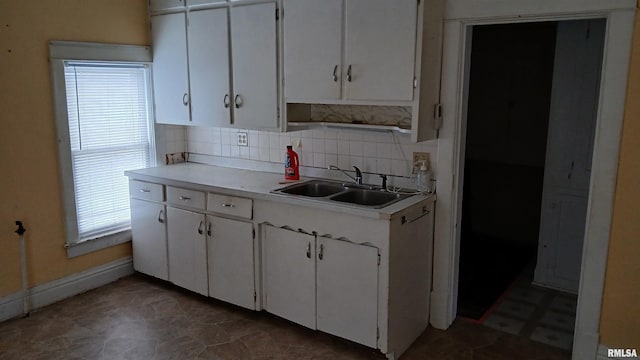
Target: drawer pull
[(404, 219), (184, 198), (145, 190), (228, 205)]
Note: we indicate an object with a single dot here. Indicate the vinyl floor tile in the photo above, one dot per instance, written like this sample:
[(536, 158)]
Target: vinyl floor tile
[(141, 318)]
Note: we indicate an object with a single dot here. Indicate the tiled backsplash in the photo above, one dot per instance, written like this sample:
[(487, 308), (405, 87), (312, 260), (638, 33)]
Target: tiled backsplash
[(373, 152)]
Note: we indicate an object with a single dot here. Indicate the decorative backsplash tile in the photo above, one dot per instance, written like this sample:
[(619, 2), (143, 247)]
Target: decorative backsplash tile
[(373, 152)]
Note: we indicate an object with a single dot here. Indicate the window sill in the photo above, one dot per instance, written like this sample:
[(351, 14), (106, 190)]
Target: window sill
[(88, 246)]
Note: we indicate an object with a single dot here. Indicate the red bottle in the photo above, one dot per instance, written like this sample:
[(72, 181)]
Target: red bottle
[(291, 164)]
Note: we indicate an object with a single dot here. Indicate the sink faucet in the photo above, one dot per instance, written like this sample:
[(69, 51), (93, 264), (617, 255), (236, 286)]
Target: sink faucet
[(357, 179), (358, 176)]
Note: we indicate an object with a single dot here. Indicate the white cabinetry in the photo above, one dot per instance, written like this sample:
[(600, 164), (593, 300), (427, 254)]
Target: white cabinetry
[(187, 250), (379, 50), (193, 80), (347, 290), (333, 286), (170, 73), (148, 229), (231, 257), (253, 39), (289, 275)]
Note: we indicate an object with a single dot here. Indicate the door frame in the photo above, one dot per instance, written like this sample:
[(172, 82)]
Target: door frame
[(451, 144)]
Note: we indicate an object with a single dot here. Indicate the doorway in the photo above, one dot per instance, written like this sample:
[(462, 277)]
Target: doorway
[(507, 120), (532, 105)]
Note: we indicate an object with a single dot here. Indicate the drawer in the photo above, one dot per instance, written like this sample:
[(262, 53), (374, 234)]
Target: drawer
[(230, 205), (146, 191), (185, 197)]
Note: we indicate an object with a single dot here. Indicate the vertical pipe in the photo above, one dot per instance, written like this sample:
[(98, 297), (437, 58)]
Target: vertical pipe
[(23, 268)]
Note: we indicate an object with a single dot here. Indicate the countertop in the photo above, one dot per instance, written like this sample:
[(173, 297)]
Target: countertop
[(256, 185)]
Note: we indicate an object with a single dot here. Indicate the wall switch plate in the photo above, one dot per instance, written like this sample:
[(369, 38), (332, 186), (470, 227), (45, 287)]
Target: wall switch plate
[(243, 139), (417, 158)]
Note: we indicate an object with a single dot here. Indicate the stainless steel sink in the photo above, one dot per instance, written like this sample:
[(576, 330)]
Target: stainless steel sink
[(367, 197), (347, 194), (314, 188)]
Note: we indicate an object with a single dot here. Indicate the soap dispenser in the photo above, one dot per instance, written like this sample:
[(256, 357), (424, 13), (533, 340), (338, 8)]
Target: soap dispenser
[(423, 180)]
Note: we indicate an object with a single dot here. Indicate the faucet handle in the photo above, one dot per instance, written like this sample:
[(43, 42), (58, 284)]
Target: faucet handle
[(384, 181)]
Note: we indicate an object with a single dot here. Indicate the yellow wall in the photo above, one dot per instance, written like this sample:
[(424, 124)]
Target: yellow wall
[(620, 317), (29, 176)]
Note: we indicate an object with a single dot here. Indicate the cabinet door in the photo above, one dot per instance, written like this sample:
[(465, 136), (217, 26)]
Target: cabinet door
[(380, 39), (253, 35), (149, 238), (230, 257), (347, 290), (170, 74), (289, 275), (209, 67), (187, 250), (313, 49)]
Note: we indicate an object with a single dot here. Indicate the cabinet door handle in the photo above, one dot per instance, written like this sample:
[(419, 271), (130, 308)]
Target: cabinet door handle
[(200, 228), (321, 253), (226, 101), (237, 101), (228, 205), (335, 73), (309, 250), (209, 229), (184, 198), (349, 74), (185, 99), (160, 216), (145, 190)]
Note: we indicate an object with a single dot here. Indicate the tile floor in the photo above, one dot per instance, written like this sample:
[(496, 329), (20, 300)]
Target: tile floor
[(140, 318), (543, 315)]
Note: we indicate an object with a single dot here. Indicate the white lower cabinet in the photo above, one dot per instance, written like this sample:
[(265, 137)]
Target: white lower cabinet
[(322, 283), (187, 249), (347, 290), (230, 254), (149, 233), (289, 275)]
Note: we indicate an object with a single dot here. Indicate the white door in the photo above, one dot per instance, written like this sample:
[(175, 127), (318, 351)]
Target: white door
[(255, 87), (230, 257), (312, 49), (380, 40), (209, 67), (574, 98), (170, 72), (149, 238), (347, 290), (289, 275), (187, 250)]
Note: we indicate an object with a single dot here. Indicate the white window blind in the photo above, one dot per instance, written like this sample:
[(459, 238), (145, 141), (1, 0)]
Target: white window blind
[(109, 133)]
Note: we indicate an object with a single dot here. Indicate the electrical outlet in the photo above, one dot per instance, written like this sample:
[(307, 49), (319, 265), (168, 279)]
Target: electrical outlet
[(417, 158), (243, 139)]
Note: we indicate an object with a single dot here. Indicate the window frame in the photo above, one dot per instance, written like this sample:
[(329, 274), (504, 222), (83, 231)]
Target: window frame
[(59, 53)]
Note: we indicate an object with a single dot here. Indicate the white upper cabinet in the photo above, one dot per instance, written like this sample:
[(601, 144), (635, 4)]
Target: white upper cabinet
[(209, 67), (379, 50), (202, 79), (313, 49), (170, 74), (255, 69), (373, 59)]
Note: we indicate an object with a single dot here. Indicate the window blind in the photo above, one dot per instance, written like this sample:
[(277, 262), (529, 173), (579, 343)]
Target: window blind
[(109, 133)]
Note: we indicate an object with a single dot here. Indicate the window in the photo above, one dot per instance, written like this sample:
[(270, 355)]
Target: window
[(103, 116)]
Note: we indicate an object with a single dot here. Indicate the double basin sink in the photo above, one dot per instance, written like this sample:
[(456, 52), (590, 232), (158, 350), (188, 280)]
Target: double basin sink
[(359, 195)]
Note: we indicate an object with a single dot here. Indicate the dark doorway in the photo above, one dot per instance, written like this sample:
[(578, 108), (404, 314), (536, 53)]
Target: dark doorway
[(507, 123)]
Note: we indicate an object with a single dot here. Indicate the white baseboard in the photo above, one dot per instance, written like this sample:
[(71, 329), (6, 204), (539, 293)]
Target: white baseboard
[(51, 292)]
